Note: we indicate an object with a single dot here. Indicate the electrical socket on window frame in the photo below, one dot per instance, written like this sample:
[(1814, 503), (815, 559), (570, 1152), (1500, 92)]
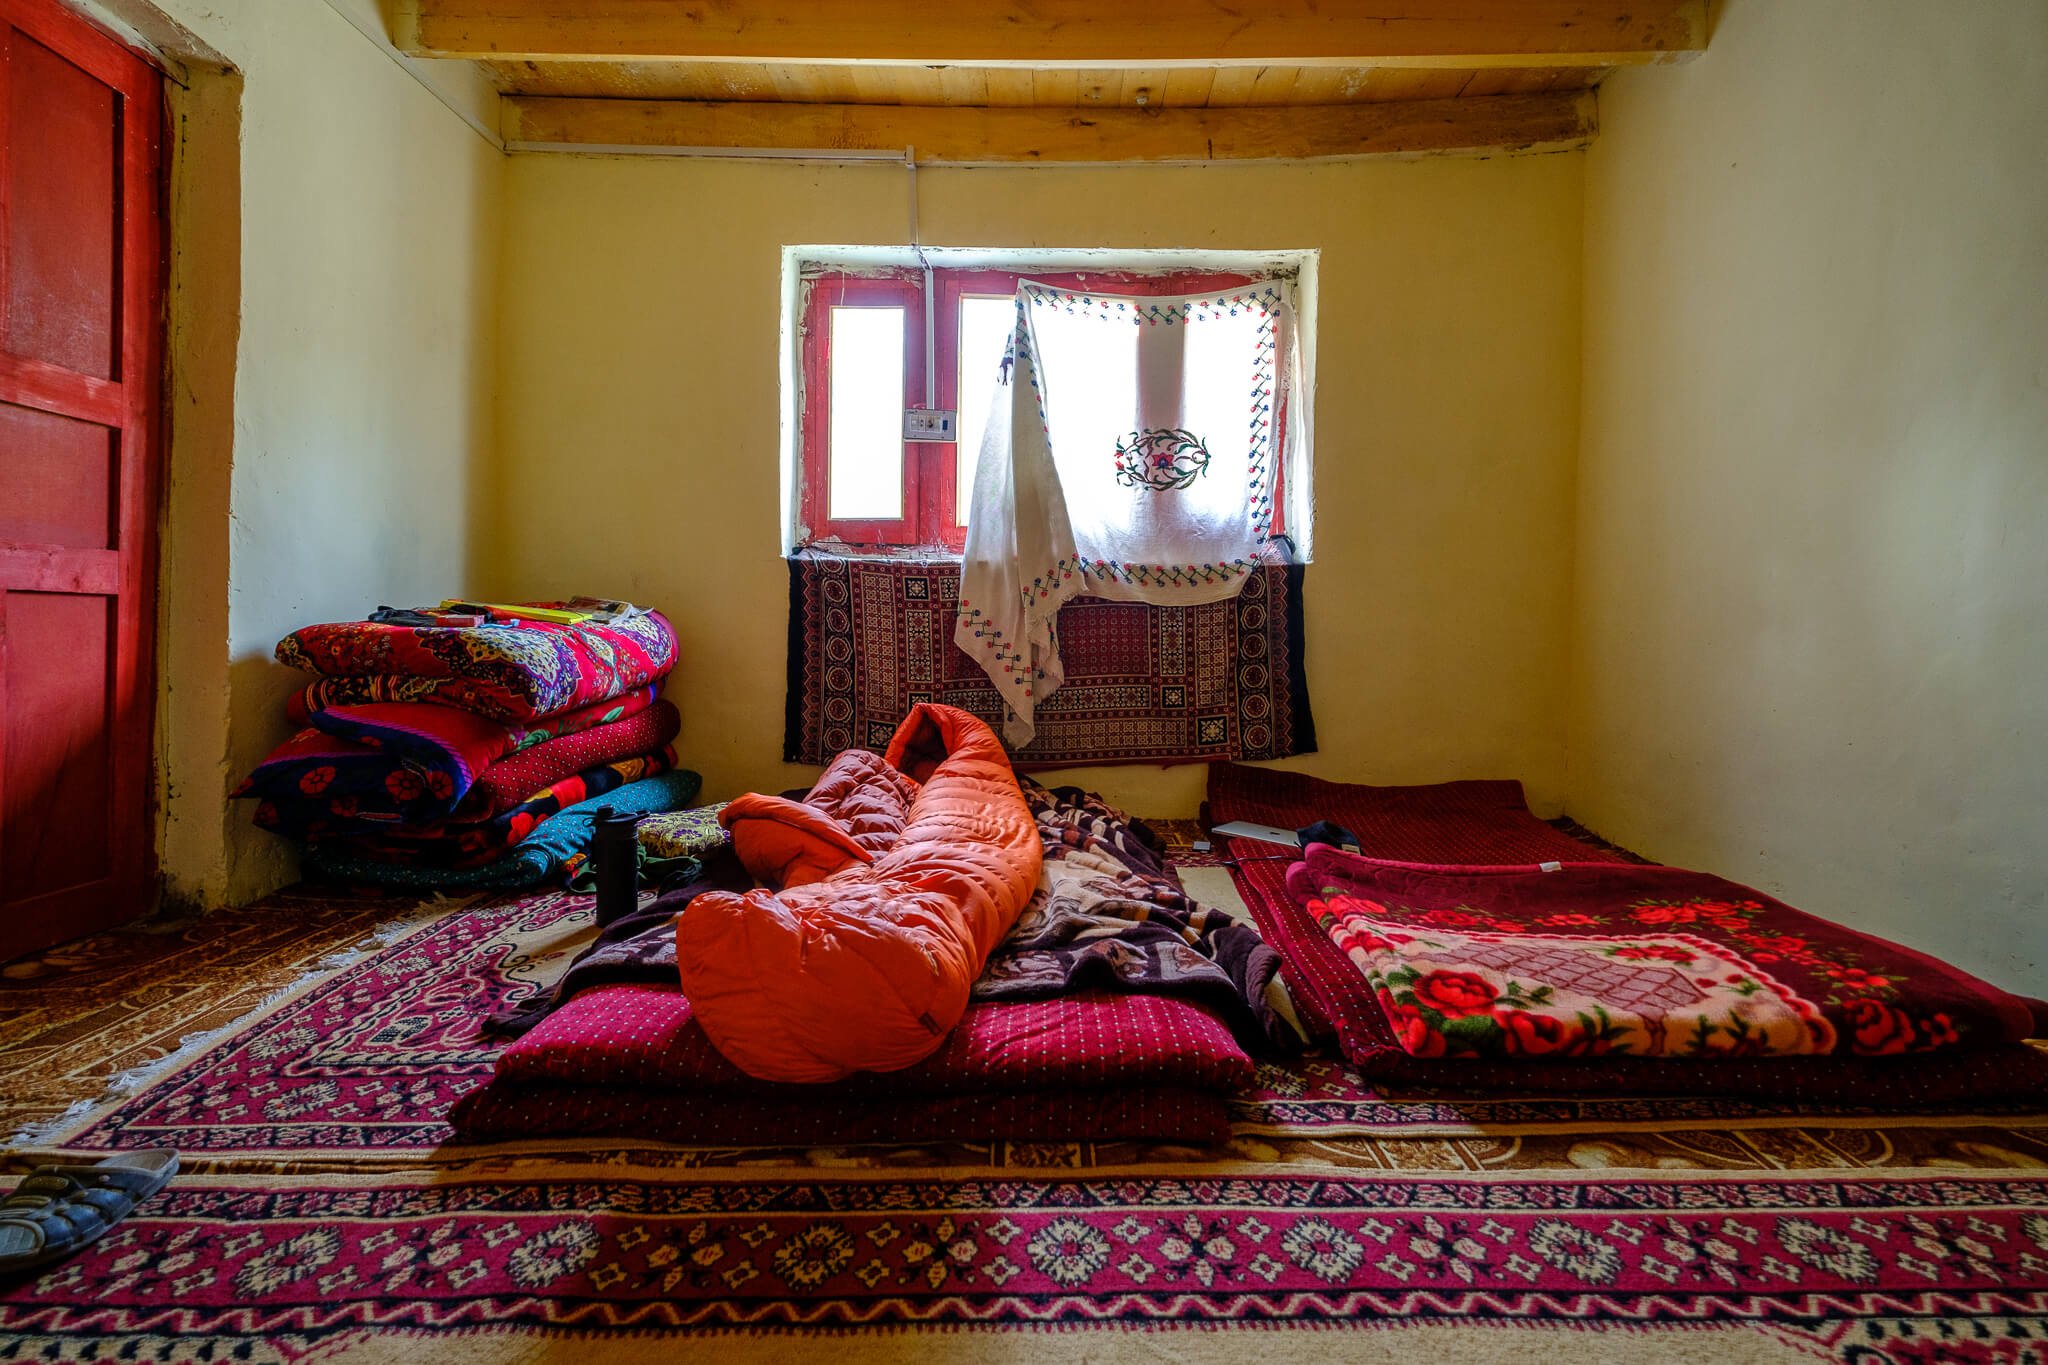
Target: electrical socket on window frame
[(930, 424)]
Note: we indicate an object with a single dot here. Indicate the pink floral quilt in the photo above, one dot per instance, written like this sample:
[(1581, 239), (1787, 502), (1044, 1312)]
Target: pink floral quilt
[(1591, 960)]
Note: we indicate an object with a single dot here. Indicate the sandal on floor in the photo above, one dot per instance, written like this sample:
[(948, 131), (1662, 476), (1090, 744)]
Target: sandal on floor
[(60, 1209)]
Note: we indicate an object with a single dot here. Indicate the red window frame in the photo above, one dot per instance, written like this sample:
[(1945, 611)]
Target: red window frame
[(846, 291), (931, 468)]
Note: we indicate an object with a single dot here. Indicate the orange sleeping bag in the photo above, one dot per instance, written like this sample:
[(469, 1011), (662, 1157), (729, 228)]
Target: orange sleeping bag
[(863, 962)]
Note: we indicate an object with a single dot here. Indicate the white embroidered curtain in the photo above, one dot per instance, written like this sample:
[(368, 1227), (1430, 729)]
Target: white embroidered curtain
[(1132, 452)]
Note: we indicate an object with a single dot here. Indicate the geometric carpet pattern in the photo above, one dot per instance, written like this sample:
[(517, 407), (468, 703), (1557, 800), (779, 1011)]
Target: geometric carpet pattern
[(301, 1055)]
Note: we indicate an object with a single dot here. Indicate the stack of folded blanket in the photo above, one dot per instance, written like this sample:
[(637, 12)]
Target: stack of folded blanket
[(1470, 946), (471, 747)]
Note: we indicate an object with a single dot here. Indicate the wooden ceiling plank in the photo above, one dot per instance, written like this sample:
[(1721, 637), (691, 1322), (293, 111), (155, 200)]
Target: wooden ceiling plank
[(1187, 87), (875, 84), (1097, 88), (1008, 86), (1493, 82), (742, 81), (1274, 85), (794, 81), (919, 85), (1318, 85), (1231, 86), (1148, 81), (1039, 136), (1056, 87), (1071, 33), (964, 84)]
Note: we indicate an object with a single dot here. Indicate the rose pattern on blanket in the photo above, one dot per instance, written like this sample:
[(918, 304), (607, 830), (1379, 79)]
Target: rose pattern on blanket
[(1924, 1267), (1562, 966), (1478, 993)]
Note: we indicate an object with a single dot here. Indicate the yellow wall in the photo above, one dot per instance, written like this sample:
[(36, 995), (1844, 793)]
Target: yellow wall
[(335, 283), (1812, 601), (638, 401)]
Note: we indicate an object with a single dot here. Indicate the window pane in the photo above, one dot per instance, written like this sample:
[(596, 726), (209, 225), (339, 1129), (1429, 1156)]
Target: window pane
[(1223, 373), (1091, 393), (986, 321), (866, 450)]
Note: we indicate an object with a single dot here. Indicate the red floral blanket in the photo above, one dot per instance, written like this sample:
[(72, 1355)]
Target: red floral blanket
[(1587, 960), (507, 670)]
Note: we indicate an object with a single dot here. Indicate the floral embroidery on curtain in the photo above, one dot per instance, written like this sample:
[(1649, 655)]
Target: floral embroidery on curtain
[(1132, 453)]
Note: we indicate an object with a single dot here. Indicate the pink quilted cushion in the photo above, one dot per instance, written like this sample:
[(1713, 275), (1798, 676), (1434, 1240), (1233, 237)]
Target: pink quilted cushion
[(643, 1036)]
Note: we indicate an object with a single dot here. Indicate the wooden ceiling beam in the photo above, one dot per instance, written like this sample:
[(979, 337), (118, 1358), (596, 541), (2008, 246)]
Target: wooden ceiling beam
[(1063, 33), (1048, 136)]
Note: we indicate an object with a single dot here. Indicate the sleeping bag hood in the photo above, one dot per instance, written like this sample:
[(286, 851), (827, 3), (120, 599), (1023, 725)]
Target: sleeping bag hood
[(853, 959)]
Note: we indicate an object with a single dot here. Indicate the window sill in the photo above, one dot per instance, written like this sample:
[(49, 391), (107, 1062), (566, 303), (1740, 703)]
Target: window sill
[(899, 554), (941, 554)]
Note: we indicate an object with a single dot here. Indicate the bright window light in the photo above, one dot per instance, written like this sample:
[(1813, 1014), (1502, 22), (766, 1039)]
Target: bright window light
[(1216, 398), (867, 414), (986, 321), (1090, 382)]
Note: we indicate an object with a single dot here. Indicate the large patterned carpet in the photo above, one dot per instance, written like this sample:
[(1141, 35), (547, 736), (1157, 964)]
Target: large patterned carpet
[(301, 1054)]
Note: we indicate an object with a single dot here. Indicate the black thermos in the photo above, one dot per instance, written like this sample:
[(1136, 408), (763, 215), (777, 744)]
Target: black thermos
[(615, 862)]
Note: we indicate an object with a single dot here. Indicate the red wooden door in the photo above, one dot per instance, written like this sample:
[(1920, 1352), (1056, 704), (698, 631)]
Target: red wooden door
[(79, 357)]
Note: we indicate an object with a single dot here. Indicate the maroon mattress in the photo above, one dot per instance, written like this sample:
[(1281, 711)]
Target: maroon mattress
[(630, 1060), (645, 1037), (1487, 824), (1449, 822)]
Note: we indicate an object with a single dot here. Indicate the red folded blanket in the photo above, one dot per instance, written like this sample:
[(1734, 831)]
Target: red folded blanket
[(1597, 960), (640, 1037), (1447, 822), (503, 670), (438, 736), (517, 776), (416, 764), (501, 1111), (1485, 823)]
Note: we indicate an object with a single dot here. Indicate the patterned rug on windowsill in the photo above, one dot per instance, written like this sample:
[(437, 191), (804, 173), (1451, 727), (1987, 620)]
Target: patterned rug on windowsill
[(301, 1055)]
